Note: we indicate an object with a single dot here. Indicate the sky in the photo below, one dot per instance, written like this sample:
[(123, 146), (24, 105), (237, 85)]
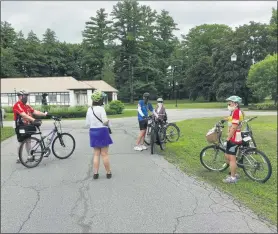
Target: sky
[(67, 18)]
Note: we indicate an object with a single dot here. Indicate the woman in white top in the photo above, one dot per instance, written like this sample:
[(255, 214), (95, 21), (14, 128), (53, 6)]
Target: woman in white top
[(99, 134)]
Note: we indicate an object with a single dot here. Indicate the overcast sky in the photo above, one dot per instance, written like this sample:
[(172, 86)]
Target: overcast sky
[(68, 19)]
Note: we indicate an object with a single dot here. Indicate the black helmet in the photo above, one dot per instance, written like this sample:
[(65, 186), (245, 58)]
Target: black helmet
[(146, 95)]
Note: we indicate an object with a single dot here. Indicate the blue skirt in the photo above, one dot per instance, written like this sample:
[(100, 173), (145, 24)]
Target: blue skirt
[(100, 137)]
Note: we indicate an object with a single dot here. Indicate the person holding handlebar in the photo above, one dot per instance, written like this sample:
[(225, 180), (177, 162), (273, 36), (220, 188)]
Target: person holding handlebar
[(143, 108), (234, 138), (23, 115)]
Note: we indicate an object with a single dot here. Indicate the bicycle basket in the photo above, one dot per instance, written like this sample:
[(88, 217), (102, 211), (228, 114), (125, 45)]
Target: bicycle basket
[(212, 135), (27, 129)]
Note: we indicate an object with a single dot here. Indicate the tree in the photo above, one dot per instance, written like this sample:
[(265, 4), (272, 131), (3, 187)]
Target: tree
[(51, 54), (273, 28), (8, 35), (262, 77), (8, 63), (201, 44), (127, 27), (97, 34)]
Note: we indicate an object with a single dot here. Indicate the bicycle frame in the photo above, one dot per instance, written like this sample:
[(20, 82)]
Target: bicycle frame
[(52, 132)]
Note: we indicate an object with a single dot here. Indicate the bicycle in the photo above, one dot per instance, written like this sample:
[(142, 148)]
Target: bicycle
[(169, 135), (245, 155), (42, 149)]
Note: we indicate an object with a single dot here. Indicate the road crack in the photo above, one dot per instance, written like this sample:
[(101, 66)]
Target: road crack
[(34, 207), (83, 202)]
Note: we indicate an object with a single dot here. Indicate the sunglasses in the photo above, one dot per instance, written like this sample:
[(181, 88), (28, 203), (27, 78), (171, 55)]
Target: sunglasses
[(159, 102)]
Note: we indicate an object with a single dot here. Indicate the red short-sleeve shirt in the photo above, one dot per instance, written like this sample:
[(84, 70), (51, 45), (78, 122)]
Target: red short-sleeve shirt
[(19, 108), (235, 120)]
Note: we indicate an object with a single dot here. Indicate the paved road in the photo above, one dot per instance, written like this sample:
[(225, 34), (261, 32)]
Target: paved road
[(146, 193)]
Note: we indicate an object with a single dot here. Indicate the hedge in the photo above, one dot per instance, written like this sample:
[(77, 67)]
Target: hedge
[(114, 108), (263, 106)]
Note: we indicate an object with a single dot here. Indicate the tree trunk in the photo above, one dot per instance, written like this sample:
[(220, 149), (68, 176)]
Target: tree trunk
[(246, 96)]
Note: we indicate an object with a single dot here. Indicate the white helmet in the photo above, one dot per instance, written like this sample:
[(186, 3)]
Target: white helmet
[(22, 92), (159, 100)]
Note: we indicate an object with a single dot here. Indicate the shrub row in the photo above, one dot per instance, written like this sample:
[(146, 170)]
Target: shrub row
[(114, 108), (263, 106)]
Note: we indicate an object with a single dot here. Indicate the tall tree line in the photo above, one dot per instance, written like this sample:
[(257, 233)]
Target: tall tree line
[(136, 50)]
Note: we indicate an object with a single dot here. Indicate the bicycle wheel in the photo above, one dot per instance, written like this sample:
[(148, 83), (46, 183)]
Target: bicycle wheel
[(147, 138), (153, 141), (216, 158), (161, 138), (34, 152), (172, 132), (64, 140), (256, 161)]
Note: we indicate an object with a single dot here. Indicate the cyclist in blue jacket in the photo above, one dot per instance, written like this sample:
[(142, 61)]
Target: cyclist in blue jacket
[(143, 108)]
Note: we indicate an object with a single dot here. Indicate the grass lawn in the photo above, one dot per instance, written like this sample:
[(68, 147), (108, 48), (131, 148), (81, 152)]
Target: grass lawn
[(126, 113), (261, 198), (6, 132)]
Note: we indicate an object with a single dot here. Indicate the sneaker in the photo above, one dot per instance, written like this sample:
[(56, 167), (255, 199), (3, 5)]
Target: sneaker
[(230, 180), (30, 158), (96, 176), (144, 147), (109, 175), (138, 148), (237, 175)]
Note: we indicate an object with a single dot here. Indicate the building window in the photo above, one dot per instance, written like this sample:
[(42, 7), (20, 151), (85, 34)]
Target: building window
[(64, 98), (11, 98), (4, 99), (38, 98), (52, 97)]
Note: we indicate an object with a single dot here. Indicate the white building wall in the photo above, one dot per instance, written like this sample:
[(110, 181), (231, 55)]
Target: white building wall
[(114, 96), (72, 98), (89, 100)]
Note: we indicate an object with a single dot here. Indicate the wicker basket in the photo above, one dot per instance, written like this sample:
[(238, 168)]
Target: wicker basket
[(212, 136)]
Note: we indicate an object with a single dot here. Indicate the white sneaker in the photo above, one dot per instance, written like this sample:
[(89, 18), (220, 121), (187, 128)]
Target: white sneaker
[(138, 148), (144, 147)]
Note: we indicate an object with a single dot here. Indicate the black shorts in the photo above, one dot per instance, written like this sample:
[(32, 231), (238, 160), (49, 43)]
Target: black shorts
[(20, 137), (143, 124), (231, 148)]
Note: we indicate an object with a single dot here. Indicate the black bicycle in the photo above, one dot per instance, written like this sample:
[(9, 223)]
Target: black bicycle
[(249, 158), (170, 131), (36, 148), (157, 135)]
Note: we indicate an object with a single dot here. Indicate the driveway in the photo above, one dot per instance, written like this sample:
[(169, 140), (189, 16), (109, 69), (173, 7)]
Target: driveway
[(145, 194)]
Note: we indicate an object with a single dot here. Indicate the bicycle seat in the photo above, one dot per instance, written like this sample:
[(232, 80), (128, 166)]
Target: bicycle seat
[(56, 118)]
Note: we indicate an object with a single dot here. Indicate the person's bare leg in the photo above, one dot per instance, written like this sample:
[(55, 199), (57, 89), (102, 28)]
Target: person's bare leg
[(105, 158), (141, 134), (227, 158), (28, 147), (96, 160), (233, 166)]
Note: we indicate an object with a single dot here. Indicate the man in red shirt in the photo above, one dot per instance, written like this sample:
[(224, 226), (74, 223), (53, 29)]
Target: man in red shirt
[(23, 116)]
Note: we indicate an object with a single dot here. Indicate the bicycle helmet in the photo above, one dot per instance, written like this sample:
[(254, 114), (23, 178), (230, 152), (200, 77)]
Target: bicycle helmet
[(159, 100), (98, 95), (236, 99), (146, 95), (22, 92)]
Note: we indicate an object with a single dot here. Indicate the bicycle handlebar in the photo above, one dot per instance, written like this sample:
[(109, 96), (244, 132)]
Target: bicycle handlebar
[(248, 120)]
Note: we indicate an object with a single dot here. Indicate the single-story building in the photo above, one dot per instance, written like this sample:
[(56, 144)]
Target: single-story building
[(65, 91)]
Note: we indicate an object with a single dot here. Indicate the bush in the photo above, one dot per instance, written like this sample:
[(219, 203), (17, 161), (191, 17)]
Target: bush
[(74, 111), (263, 106), (116, 106), (110, 111), (8, 109)]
